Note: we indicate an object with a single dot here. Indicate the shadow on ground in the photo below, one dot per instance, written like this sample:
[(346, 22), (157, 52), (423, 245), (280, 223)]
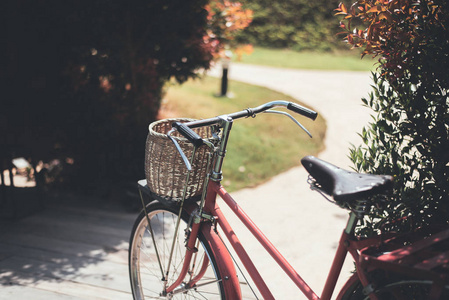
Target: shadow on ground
[(65, 245)]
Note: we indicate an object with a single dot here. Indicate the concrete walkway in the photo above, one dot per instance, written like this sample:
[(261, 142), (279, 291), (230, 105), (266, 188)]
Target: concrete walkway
[(300, 223)]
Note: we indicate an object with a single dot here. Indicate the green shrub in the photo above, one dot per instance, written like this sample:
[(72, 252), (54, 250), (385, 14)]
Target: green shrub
[(408, 137)]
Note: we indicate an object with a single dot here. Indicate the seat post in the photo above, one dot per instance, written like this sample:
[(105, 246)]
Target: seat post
[(352, 223)]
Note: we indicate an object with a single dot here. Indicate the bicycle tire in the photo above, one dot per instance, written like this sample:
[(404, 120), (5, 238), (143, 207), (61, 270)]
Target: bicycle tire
[(144, 268), (394, 287)]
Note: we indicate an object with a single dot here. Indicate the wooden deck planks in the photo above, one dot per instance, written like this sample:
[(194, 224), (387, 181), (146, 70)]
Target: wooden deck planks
[(27, 292), (66, 252)]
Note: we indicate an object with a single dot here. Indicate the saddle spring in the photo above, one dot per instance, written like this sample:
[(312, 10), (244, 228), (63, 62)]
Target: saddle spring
[(315, 186)]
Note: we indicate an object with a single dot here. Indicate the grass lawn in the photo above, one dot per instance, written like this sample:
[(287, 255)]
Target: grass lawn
[(258, 148), (284, 58)]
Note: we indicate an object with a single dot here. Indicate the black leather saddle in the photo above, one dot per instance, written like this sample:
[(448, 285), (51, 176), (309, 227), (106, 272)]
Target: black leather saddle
[(344, 185)]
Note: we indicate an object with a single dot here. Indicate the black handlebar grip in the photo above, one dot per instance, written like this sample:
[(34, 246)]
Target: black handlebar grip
[(302, 110), (188, 133)]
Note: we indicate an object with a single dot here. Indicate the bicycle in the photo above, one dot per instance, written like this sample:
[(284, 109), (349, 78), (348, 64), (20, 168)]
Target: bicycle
[(167, 262)]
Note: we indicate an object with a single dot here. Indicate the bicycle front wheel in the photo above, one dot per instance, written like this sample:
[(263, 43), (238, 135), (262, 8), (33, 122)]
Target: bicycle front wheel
[(149, 253)]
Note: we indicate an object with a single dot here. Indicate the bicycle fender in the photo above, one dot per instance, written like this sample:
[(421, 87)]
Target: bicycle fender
[(224, 263), (354, 279)]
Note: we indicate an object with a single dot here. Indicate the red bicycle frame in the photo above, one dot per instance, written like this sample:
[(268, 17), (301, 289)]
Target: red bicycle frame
[(365, 263), (211, 208)]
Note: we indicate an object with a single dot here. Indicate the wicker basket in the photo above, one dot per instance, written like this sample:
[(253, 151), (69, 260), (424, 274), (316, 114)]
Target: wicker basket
[(164, 168)]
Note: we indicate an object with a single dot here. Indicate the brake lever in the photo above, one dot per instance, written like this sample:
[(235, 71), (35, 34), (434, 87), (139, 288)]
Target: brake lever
[(291, 117), (183, 156)]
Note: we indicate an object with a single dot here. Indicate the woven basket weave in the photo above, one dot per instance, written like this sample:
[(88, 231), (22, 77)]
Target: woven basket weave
[(164, 168)]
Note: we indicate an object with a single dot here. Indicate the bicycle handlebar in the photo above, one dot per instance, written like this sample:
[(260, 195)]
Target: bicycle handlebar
[(254, 111), (302, 110), (188, 133), (185, 128)]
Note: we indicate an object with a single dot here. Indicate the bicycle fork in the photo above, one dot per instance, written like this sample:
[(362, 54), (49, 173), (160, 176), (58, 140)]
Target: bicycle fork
[(205, 225), (190, 250)]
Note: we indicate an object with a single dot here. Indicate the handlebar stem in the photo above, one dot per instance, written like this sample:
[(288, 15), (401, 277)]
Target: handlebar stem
[(225, 122)]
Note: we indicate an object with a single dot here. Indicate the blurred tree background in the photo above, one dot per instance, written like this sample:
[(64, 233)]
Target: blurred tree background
[(81, 80), (296, 24)]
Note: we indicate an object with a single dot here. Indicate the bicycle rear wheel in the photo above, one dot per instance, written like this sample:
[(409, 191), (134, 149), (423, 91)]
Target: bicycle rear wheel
[(395, 287), (149, 254)]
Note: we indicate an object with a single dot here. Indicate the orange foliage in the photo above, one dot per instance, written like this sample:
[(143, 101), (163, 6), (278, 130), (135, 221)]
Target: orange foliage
[(245, 49), (225, 19), (394, 30), (384, 22)]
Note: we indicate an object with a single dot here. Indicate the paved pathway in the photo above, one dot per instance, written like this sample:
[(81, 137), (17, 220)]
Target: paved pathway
[(299, 222)]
